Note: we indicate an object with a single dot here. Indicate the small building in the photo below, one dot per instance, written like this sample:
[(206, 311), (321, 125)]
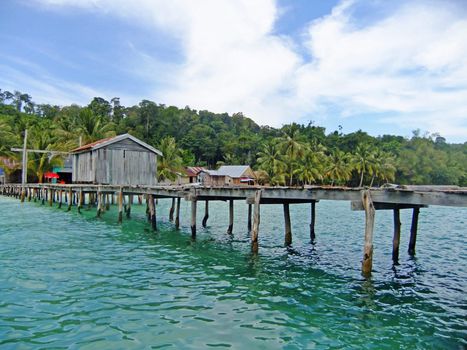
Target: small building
[(119, 160), (192, 173), (229, 175)]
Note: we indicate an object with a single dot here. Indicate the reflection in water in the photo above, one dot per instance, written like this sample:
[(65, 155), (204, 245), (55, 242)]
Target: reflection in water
[(71, 280)]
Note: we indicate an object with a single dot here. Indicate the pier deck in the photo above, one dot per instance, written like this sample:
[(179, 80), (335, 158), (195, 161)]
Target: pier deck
[(369, 199)]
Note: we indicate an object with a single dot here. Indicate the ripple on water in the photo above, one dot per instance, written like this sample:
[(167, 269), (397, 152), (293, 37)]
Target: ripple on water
[(74, 281)]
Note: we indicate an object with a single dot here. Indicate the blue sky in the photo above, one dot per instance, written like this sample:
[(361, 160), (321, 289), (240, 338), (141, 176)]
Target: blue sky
[(381, 66)]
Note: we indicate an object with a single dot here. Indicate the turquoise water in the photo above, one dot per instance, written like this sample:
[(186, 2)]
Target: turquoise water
[(77, 282)]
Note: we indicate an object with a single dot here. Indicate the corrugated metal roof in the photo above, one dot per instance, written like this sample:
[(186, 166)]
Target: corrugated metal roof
[(194, 170), (233, 171), (107, 141)]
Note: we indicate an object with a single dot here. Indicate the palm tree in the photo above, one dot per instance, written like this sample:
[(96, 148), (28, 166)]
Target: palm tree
[(363, 161), (309, 169), (339, 168), (270, 160), (171, 161), (292, 149), (93, 127), (383, 166)]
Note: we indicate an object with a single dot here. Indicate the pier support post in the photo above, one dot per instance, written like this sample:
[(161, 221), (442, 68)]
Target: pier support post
[(256, 221), (80, 200), (397, 235), (60, 199), (107, 201), (172, 209), (177, 214), (193, 217), (70, 198), (312, 222), (413, 231), (99, 204), (249, 217), (120, 206), (152, 212), (206, 214), (51, 197), (231, 216), (23, 194), (367, 262), (29, 191), (288, 229), (128, 208)]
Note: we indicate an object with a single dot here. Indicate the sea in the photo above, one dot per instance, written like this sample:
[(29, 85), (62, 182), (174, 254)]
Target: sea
[(75, 281)]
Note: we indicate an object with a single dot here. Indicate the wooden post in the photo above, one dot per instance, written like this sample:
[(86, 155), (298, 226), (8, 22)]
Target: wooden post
[(231, 216), (177, 214), (81, 200), (249, 217), (29, 190), (43, 195), (256, 221), (172, 209), (193, 218), (107, 201), (120, 206), (140, 199), (367, 262), (60, 198), (413, 231), (206, 214), (288, 229), (312, 222), (397, 235), (51, 197), (152, 212), (24, 173), (99, 204), (128, 208), (70, 198), (23, 194)]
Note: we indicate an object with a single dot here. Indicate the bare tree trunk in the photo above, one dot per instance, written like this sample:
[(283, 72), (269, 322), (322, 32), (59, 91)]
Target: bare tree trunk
[(361, 179)]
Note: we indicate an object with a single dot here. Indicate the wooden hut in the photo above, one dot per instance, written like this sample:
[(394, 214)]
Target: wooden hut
[(119, 160), (230, 175)]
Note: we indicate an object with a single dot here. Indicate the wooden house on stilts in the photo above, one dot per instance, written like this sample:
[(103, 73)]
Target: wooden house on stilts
[(119, 160)]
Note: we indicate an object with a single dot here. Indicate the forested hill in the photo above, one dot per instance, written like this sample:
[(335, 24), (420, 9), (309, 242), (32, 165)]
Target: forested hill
[(293, 155)]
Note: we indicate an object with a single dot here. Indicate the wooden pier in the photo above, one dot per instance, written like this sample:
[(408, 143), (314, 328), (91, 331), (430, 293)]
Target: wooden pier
[(393, 198)]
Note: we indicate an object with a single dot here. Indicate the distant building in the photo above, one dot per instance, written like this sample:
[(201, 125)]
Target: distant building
[(229, 175), (119, 160), (11, 170)]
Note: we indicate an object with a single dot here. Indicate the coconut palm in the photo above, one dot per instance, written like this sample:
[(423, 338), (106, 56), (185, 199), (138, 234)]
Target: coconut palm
[(270, 160), (339, 168), (171, 161), (309, 169), (363, 161), (93, 127), (292, 149)]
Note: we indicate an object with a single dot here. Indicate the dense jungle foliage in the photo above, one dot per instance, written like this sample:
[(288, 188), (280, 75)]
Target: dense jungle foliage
[(294, 154)]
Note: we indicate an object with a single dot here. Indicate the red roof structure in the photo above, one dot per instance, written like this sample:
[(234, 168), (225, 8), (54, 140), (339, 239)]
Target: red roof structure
[(92, 144), (192, 171)]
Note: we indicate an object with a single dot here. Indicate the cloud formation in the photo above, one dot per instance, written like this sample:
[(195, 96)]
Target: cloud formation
[(409, 64)]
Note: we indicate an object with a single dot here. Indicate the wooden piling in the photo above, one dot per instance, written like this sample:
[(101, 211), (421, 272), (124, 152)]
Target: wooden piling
[(120, 206), (367, 262), (70, 198), (256, 221), (152, 212), (249, 217), (51, 197), (231, 216), (99, 204), (397, 235), (206, 214), (80, 200), (29, 194), (23, 194), (288, 229), (193, 218), (60, 199), (172, 209), (107, 201), (312, 222), (128, 208), (177, 214), (413, 231)]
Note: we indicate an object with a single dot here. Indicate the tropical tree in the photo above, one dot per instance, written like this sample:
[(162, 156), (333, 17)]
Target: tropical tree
[(93, 127), (310, 167), (270, 161), (339, 168), (171, 162), (292, 149), (363, 161)]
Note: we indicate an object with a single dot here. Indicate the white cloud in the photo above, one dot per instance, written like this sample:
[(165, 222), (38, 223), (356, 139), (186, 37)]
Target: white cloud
[(412, 62)]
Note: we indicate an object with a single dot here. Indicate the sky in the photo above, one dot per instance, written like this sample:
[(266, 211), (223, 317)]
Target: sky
[(386, 67)]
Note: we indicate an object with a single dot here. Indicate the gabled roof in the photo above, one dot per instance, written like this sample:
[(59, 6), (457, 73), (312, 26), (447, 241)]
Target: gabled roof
[(193, 170), (234, 171), (110, 140)]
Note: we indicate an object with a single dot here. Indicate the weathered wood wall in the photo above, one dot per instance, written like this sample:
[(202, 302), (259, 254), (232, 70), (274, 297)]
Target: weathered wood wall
[(121, 163)]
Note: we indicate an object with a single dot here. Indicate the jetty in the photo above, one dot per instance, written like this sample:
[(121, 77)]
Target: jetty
[(370, 200)]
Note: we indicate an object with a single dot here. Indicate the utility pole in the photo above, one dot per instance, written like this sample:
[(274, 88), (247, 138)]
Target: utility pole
[(24, 177)]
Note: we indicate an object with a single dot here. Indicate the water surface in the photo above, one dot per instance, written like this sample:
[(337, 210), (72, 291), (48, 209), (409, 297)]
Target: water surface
[(77, 282)]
